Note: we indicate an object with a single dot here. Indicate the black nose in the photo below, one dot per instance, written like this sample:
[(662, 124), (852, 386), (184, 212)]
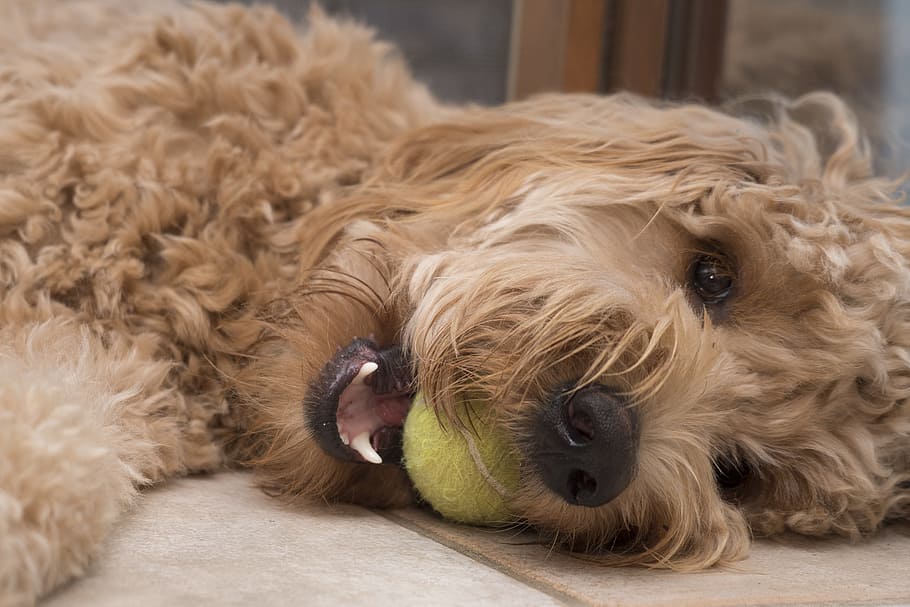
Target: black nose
[(586, 444)]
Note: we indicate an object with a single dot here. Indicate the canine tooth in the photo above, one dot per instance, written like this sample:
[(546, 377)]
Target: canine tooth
[(361, 444), (343, 436), (364, 372)]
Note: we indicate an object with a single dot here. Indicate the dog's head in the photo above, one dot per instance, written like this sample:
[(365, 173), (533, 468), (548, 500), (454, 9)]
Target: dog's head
[(689, 325)]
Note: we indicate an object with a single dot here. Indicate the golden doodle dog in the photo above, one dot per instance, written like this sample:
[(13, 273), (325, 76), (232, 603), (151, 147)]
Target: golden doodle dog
[(692, 327)]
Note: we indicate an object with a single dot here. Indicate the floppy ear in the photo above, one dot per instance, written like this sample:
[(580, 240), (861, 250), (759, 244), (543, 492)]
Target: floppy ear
[(850, 473)]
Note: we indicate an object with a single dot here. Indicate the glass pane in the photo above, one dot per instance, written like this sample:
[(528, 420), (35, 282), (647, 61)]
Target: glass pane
[(460, 50), (856, 48)]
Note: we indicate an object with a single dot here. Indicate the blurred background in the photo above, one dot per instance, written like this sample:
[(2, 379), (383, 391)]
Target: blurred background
[(491, 51)]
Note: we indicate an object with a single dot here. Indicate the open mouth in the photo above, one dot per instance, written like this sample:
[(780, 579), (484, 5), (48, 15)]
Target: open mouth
[(358, 404)]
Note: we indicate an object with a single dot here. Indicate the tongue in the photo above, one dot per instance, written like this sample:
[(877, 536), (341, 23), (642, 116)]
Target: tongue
[(392, 410)]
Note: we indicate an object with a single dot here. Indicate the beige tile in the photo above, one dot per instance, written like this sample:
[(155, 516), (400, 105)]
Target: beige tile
[(798, 572), (219, 541)]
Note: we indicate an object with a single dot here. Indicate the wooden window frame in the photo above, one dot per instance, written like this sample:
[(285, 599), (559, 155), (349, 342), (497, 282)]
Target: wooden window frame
[(658, 48)]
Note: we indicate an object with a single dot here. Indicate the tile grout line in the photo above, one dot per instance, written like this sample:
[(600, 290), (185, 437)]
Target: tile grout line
[(560, 595)]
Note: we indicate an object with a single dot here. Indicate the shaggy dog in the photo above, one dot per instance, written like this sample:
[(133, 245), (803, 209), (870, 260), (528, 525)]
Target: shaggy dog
[(692, 327)]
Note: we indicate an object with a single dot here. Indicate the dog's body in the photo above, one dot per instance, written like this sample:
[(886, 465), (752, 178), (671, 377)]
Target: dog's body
[(211, 222)]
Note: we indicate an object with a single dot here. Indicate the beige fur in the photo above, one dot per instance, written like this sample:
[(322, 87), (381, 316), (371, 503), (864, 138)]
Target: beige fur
[(200, 205), (155, 171)]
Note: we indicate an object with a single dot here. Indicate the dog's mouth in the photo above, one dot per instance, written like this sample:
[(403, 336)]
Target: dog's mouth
[(358, 404)]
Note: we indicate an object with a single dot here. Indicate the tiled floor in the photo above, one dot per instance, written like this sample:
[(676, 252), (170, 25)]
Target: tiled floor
[(219, 541)]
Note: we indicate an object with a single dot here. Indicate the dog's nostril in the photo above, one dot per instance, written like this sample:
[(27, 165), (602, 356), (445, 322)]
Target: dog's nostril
[(580, 423), (585, 444), (582, 485)]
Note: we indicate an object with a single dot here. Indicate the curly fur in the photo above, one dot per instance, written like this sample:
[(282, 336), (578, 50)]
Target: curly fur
[(199, 205)]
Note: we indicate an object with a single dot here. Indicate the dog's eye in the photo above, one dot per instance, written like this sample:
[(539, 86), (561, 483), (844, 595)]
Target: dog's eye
[(711, 279), (731, 473)]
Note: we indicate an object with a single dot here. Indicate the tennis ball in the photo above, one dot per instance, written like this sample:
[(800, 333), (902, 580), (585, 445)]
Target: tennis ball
[(465, 474)]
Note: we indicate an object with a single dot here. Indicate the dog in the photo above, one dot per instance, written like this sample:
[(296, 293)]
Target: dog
[(691, 324)]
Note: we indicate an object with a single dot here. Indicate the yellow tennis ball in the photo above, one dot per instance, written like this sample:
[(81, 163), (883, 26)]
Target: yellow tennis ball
[(465, 474)]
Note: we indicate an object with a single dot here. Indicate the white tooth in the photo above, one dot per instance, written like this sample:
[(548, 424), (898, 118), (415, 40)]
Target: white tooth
[(343, 436), (365, 371), (361, 444)]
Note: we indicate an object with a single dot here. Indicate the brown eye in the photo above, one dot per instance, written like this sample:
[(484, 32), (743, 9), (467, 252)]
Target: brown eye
[(711, 279)]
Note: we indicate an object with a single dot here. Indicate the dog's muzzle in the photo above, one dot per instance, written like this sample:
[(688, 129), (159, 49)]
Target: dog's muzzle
[(585, 445)]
